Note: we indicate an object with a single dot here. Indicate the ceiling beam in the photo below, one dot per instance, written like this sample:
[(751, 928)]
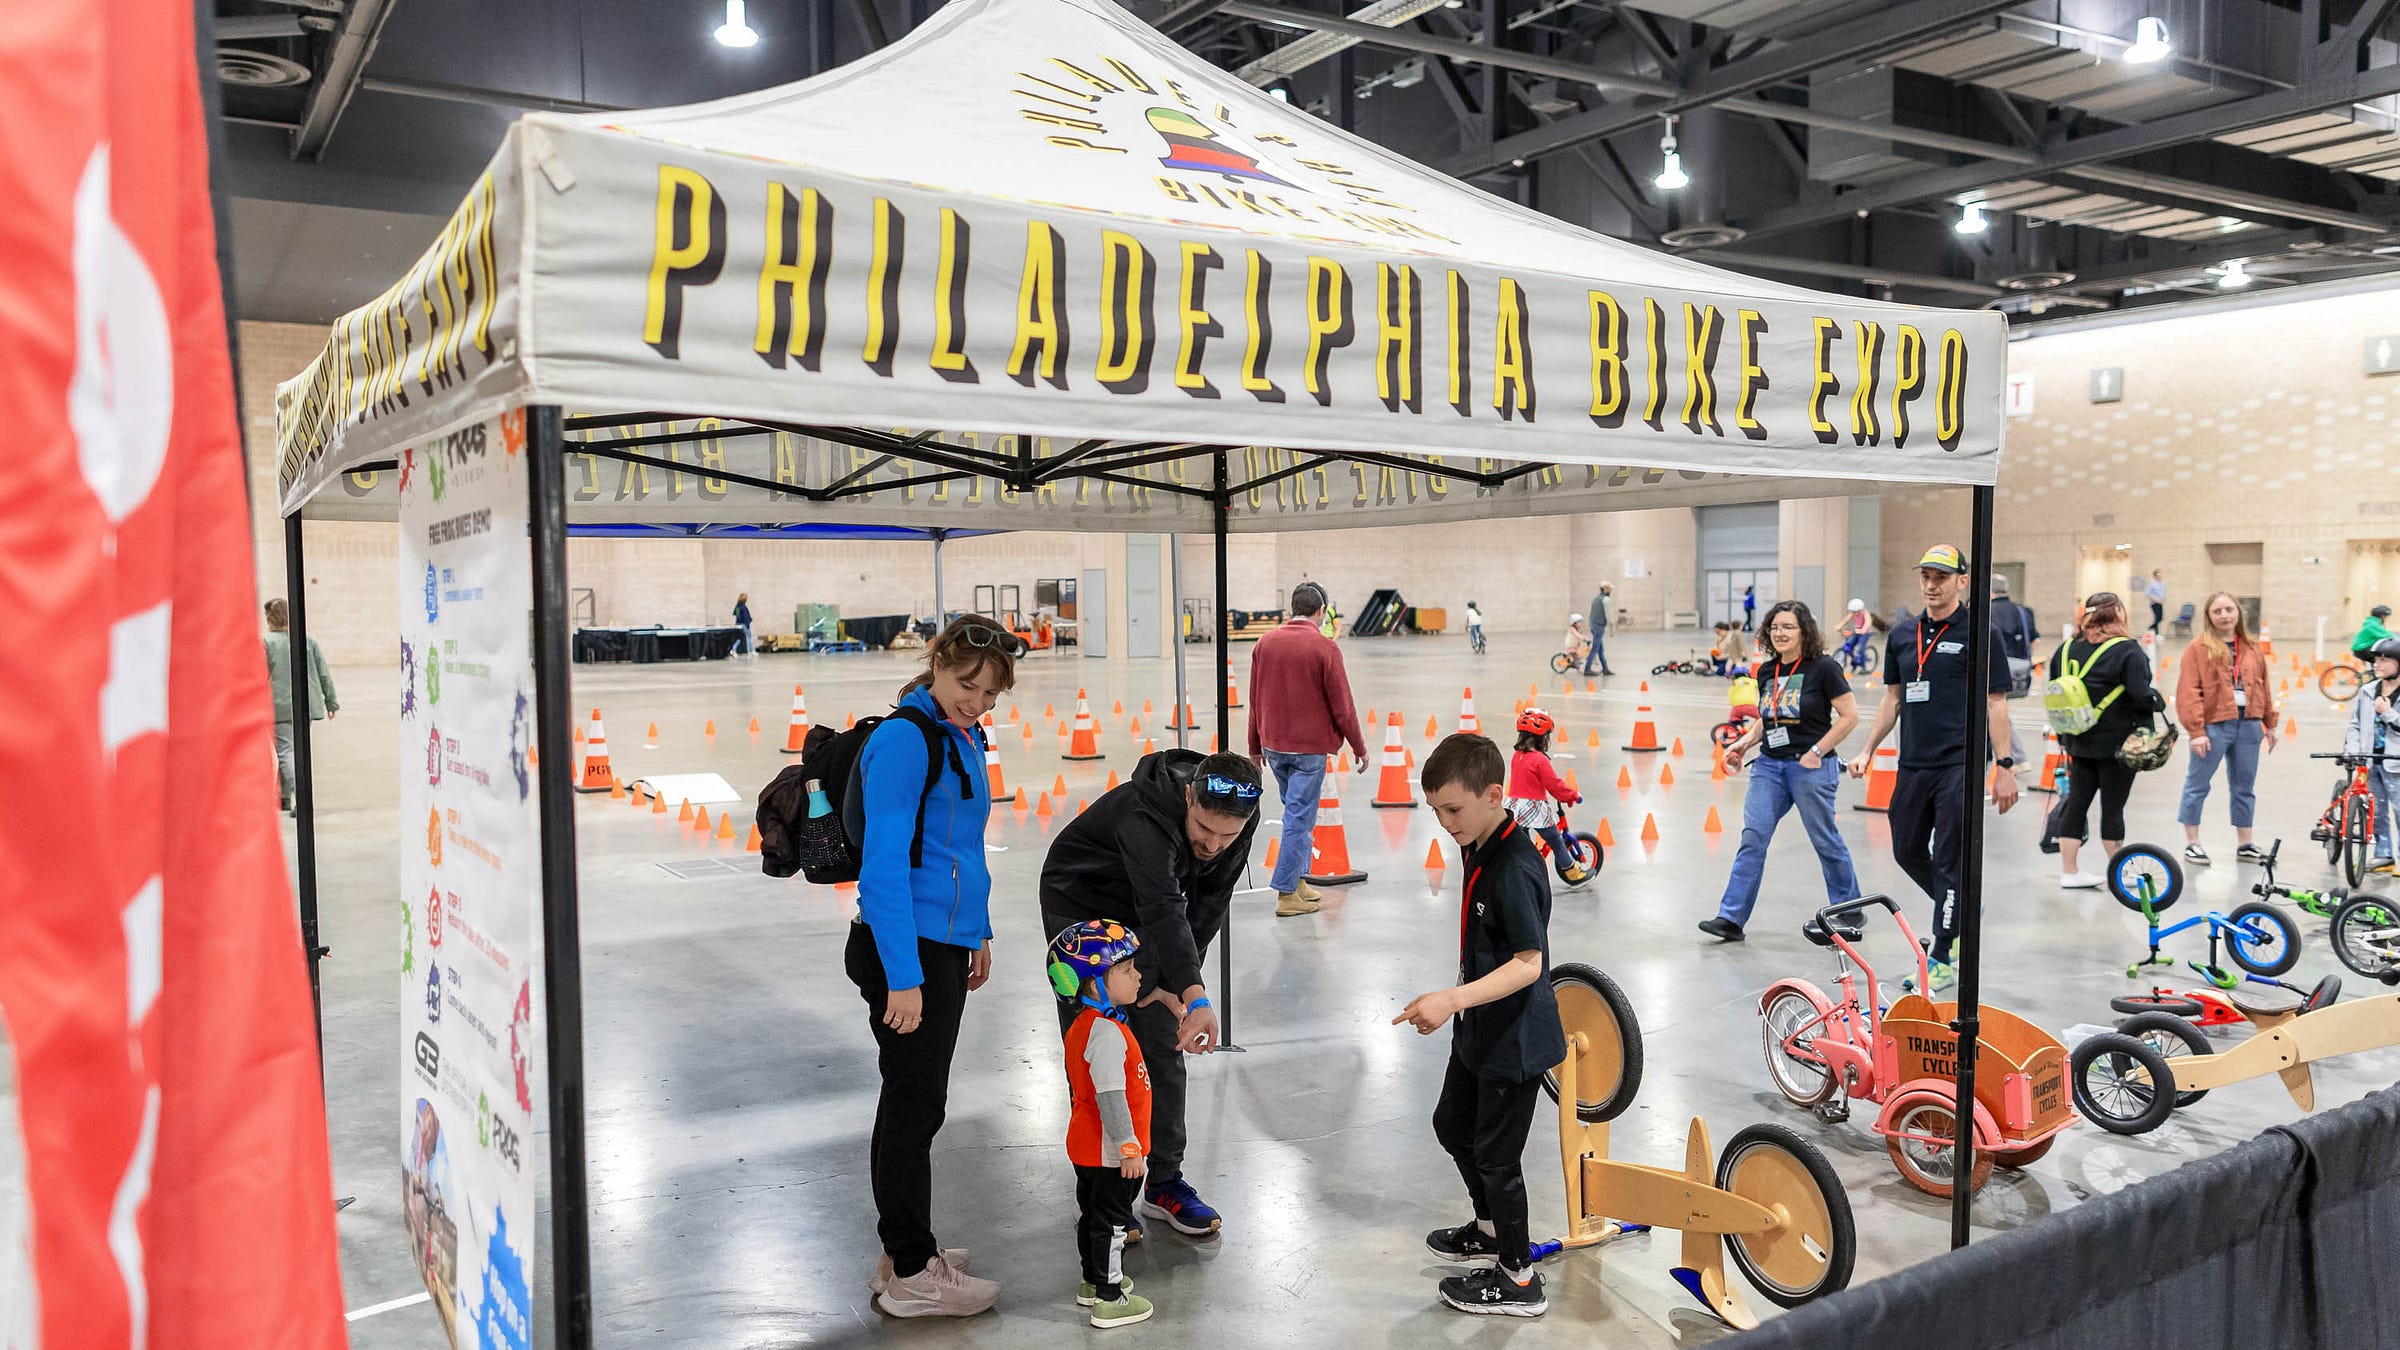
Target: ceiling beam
[(1860, 38), (2254, 203), (347, 49), (1817, 267), (1412, 40), (489, 98)]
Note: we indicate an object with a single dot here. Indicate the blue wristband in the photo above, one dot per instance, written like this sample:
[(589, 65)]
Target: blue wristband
[(1196, 1004)]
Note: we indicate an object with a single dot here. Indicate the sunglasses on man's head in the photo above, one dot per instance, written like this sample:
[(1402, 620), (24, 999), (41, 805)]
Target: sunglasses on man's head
[(1219, 786), (984, 635)]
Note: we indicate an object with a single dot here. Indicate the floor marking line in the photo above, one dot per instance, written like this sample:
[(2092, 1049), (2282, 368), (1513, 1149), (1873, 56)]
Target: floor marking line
[(373, 1309)]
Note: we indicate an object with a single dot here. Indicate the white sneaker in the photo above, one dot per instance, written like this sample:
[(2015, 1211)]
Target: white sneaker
[(939, 1290), (2078, 881), (954, 1257)]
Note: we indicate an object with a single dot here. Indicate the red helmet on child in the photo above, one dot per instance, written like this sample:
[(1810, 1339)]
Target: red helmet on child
[(1535, 722)]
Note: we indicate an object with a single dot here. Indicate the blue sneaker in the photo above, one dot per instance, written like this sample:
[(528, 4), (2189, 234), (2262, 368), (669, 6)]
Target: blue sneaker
[(1174, 1200)]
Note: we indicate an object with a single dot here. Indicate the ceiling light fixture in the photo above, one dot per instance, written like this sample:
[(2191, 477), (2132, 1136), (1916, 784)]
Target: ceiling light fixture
[(736, 30), (2234, 276), (1280, 94), (1970, 219), (1670, 173), (2149, 42)]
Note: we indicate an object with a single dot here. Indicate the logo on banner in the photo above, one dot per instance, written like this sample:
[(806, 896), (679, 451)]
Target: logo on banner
[(433, 919), (512, 430), (408, 938), (520, 1051), (433, 676), (433, 594), (408, 468), (408, 678), (429, 1059), (504, 1319), (433, 836), (456, 458), (519, 727), (497, 1134), (433, 993), (1193, 148), (433, 758)]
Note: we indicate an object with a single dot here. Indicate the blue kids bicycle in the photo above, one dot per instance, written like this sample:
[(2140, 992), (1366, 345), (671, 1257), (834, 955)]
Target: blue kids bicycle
[(2260, 938)]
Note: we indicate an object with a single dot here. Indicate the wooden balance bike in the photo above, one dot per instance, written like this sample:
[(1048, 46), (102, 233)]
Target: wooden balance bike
[(2125, 1093), (1771, 1200)]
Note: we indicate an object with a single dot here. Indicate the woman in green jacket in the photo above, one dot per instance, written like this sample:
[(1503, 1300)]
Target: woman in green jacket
[(322, 702)]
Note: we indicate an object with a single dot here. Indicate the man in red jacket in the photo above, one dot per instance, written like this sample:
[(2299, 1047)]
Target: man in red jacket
[(1300, 713)]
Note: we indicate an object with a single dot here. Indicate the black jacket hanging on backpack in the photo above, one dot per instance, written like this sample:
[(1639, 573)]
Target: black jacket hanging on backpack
[(829, 852)]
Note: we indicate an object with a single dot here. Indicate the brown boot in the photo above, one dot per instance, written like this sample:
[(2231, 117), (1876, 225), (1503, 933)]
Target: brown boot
[(1293, 905), (1301, 888)]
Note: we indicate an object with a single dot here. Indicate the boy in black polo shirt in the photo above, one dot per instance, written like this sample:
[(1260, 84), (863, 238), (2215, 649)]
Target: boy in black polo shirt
[(1508, 1029)]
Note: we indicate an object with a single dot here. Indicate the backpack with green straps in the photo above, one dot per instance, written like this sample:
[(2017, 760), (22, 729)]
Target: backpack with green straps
[(2065, 700)]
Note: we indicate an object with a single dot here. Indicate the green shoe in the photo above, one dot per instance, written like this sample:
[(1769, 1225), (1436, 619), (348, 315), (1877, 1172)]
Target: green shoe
[(1944, 976), (1123, 1313), (1087, 1294)]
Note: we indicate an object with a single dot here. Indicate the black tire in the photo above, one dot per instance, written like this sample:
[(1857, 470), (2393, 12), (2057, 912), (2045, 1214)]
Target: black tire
[(2340, 683), (1561, 663), (1724, 734), (2133, 862), (1594, 856), (2123, 1096), (2262, 957), (1779, 1147), (2358, 836), (2333, 813), (1584, 990), (2170, 1036), (2134, 1005), (2366, 935)]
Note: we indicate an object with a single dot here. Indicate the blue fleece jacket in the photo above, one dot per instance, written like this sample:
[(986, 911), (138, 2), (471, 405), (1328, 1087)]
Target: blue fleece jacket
[(948, 899)]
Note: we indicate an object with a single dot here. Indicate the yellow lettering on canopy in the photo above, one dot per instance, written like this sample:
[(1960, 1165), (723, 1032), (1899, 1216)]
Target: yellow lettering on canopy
[(1654, 316), (1397, 324), (1197, 323), (1041, 346), (791, 282), (1827, 332), (889, 251), (1700, 339), (1864, 430), (687, 248), (1462, 379), (1512, 354), (1608, 360), (1128, 286), (950, 302), (1260, 346), (1950, 397), (1908, 380), (1329, 324), (1754, 379)]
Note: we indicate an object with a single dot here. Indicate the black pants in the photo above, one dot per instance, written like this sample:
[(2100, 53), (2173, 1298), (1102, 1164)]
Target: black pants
[(1927, 805), (2158, 613), (916, 1091), (1103, 1208), (2106, 779), (1154, 1031), (1482, 1123)]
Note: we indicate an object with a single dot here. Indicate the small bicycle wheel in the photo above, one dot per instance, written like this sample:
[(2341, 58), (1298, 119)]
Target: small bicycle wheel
[(2136, 864), (2170, 1036), (2358, 837), (2262, 939), (1923, 1125), (1608, 1071), (1803, 1079), (2366, 935), (2329, 825), (1561, 663), (1725, 733), (2121, 1084), (1869, 657), (2134, 1005), (2340, 683), (1589, 853), (1811, 1254)]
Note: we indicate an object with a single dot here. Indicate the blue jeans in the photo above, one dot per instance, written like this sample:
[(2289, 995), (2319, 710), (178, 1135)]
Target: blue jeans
[(2235, 743), (1597, 656), (1300, 781), (1776, 786), (2387, 829)]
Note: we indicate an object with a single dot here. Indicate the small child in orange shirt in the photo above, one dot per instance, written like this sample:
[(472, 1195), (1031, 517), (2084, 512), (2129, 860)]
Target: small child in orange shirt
[(1108, 1133)]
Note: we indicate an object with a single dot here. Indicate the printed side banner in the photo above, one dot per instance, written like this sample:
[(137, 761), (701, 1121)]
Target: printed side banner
[(469, 880)]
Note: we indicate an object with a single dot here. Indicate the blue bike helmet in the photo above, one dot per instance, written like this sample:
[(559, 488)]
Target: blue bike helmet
[(1085, 951)]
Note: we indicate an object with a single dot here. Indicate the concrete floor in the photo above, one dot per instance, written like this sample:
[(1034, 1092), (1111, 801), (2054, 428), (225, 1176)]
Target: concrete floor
[(732, 1083)]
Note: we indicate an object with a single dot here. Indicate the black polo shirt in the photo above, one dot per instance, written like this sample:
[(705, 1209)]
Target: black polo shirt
[(1506, 910), (1933, 733)]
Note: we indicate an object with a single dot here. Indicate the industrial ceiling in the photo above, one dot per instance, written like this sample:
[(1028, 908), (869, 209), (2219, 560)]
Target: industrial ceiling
[(2116, 153)]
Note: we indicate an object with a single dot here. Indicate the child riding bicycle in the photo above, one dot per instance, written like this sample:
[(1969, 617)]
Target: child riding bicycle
[(1536, 793)]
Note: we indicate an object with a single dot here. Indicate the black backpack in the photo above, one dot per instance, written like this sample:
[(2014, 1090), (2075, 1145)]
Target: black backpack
[(827, 849)]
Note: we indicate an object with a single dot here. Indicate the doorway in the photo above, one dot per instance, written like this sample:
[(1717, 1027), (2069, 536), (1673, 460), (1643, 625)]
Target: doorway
[(1091, 627), (1721, 592), (1142, 601), (2374, 579), (2103, 568)]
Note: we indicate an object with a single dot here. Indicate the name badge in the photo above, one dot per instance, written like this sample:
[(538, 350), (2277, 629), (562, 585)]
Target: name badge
[(1950, 648), (1778, 738), (1918, 691), (2241, 697)]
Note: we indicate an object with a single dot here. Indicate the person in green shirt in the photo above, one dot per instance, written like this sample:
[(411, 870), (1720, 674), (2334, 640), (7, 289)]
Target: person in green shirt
[(322, 701), (2369, 633)]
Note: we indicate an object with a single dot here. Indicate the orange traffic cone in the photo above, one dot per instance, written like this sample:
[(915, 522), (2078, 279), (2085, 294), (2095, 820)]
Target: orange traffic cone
[(1716, 767), (616, 788), (1591, 686), (1433, 728), (2291, 726), (1342, 765), (1592, 742), (1013, 718), (1189, 722), (1624, 776), (725, 828), (700, 821), (1049, 712), (754, 726), (1434, 861), (1233, 692), (710, 731), (1649, 828), (1119, 710), (1086, 741), (1274, 848), (1147, 710), (1059, 788), (1135, 729), (578, 733), (650, 742), (755, 844), (2045, 781), (1572, 785), (992, 774), (1041, 806), (1329, 864), (1677, 748), (1606, 836), (1149, 746), (849, 720), (1666, 775), (1020, 803), (1645, 729), (1392, 788), (596, 776), (1712, 825), (1112, 781), (658, 803), (1882, 775), (1466, 712), (1029, 733)]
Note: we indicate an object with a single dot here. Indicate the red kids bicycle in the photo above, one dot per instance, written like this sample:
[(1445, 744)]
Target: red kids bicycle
[(2347, 829)]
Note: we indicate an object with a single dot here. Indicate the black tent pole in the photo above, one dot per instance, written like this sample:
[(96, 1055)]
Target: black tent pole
[(562, 953), (304, 793), (1970, 847), (1221, 507)]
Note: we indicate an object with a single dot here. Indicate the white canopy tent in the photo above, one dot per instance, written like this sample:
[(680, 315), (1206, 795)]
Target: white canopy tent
[(1037, 267)]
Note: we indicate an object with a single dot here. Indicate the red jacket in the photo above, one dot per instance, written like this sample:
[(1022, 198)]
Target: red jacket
[(1300, 695), (1532, 776)]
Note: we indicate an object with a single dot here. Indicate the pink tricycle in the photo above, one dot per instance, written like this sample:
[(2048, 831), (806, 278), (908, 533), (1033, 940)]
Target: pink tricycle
[(1820, 1052)]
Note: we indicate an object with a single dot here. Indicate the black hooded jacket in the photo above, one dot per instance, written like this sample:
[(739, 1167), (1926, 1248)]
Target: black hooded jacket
[(1128, 859)]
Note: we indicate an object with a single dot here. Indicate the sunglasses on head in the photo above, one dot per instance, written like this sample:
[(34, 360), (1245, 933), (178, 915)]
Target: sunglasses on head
[(1222, 788), (985, 635)]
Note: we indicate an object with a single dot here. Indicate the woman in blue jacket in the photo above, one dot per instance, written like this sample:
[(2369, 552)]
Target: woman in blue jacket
[(922, 941)]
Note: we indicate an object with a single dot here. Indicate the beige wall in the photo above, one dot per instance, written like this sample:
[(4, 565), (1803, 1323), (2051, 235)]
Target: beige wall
[(2249, 426)]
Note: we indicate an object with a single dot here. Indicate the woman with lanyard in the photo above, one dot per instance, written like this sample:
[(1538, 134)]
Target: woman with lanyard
[(2226, 702), (2375, 730), (1805, 710)]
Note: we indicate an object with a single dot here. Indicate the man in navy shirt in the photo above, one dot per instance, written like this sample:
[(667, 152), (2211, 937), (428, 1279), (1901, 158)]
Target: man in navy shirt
[(1926, 690)]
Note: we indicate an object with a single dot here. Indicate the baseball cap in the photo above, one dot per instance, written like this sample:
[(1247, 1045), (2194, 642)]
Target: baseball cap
[(1944, 557)]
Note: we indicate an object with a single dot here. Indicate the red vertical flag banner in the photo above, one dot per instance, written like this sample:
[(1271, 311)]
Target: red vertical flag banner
[(151, 974)]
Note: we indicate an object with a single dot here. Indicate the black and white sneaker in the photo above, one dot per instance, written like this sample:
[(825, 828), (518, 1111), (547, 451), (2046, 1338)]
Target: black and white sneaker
[(2195, 855), (1465, 1245), (2250, 853), (1495, 1293)]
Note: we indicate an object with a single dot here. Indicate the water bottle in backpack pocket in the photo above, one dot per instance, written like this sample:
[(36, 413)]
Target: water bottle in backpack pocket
[(812, 818)]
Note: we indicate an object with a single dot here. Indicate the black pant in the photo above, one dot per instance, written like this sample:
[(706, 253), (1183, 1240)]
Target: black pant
[(916, 1091), (1927, 805), (2158, 612), (1482, 1123), (1103, 1208), (1154, 1031), (2106, 779)]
